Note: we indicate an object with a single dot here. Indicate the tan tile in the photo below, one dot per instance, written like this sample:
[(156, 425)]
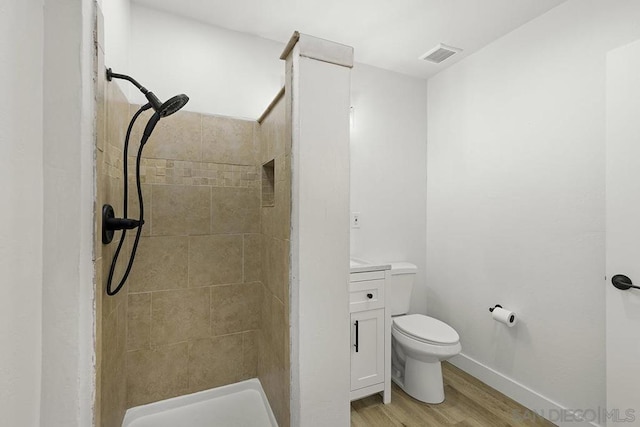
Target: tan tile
[(134, 210), (156, 374), (101, 103), (160, 264), (278, 328), (113, 388), (275, 266), (180, 210), (179, 315), (139, 321), (235, 210), (177, 137), (117, 116), (252, 257), (227, 140), (215, 361), (235, 308), (215, 260), (249, 355)]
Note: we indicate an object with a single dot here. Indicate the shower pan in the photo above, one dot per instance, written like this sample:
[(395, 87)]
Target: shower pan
[(111, 224)]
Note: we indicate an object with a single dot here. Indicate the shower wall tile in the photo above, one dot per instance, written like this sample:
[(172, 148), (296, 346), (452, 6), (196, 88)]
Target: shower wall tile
[(180, 315), (195, 301), (227, 140), (156, 374), (235, 210), (252, 257), (180, 210), (215, 259), (249, 355), (177, 137), (134, 209), (274, 137), (117, 117), (139, 321), (214, 361), (235, 308), (161, 264)]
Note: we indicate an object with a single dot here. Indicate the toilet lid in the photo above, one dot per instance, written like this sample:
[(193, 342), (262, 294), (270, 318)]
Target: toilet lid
[(426, 328)]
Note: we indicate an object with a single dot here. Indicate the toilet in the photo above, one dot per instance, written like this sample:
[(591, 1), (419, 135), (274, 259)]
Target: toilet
[(419, 343)]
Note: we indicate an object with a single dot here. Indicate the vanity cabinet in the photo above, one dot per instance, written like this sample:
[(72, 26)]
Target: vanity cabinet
[(370, 335)]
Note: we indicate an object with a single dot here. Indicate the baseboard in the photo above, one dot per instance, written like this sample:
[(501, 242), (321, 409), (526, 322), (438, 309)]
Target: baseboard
[(537, 403)]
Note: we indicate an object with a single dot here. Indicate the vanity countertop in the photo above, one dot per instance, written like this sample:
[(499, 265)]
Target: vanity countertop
[(360, 266)]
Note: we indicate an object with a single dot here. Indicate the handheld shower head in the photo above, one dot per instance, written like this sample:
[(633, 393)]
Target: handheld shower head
[(164, 109), (173, 104)]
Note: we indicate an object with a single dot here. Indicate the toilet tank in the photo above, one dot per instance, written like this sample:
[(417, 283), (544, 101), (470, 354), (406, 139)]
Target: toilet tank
[(399, 286)]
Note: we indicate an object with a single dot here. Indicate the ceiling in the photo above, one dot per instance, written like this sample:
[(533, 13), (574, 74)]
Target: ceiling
[(389, 34)]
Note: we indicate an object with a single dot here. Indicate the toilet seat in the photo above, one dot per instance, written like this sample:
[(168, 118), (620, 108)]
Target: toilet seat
[(426, 329)]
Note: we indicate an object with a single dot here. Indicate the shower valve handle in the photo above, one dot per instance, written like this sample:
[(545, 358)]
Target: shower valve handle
[(110, 224), (123, 224)]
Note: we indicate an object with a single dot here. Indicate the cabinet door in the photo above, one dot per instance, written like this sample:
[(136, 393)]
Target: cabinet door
[(367, 359)]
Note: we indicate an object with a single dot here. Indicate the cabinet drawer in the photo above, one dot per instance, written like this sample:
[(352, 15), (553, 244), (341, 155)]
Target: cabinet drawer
[(368, 275), (366, 295)]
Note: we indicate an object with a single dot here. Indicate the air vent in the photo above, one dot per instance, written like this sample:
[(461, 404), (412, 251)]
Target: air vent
[(440, 53)]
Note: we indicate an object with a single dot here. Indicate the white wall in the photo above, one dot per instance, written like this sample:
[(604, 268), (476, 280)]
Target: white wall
[(389, 170), (21, 213), (318, 98), (117, 38), (515, 198), (223, 72), (68, 322)]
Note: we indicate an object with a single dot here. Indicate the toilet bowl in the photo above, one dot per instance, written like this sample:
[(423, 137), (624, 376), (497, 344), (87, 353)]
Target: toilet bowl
[(419, 343)]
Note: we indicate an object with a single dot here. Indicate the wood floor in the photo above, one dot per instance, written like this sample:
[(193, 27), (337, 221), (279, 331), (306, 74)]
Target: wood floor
[(468, 403)]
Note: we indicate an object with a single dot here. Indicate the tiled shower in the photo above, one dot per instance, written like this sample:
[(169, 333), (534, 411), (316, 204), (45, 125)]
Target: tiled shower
[(207, 301)]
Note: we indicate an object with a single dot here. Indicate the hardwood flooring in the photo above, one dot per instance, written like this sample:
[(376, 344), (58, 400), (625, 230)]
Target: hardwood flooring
[(468, 403)]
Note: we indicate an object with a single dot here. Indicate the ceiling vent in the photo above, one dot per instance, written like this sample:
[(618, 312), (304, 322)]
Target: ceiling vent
[(440, 53)]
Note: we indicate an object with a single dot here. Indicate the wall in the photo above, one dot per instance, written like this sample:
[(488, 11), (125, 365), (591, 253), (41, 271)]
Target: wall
[(69, 145), (194, 295), (515, 206), (389, 170), (224, 72), (274, 136), (111, 312), (21, 44), (318, 102), (117, 39)]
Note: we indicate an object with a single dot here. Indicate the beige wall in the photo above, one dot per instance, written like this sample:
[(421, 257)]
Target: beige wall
[(194, 293), (111, 312), (208, 291), (273, 365)]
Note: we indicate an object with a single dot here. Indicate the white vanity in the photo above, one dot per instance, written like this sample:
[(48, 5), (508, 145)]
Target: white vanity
[(370, 331)]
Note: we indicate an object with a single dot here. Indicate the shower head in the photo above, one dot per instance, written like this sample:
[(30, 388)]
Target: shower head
[(173, 105), (163, 109)]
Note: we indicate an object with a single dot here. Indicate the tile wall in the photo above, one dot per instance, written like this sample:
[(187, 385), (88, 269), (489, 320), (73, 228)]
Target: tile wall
[(111, 312), (207, 301), (195, 291), (273, 366)]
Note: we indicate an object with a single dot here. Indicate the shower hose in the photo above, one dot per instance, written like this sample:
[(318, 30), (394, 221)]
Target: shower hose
[(110, 291)]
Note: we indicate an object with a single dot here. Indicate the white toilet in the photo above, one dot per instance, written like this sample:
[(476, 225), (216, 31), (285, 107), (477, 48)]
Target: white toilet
[(419, 343)]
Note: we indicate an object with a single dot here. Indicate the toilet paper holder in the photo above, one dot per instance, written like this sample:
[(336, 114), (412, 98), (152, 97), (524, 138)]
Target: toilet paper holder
[(493, 308)]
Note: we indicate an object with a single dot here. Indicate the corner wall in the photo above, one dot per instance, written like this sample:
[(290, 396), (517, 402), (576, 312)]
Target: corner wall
[(388, 151), (515, 201)]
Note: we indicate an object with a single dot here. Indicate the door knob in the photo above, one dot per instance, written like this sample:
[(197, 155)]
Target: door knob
[(622, 282)]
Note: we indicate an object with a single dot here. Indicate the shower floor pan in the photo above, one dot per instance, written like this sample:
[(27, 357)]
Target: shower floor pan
[(242, 404)]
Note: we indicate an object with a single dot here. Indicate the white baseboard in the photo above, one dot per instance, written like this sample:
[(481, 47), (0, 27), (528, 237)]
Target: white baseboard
[(528, 398)]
